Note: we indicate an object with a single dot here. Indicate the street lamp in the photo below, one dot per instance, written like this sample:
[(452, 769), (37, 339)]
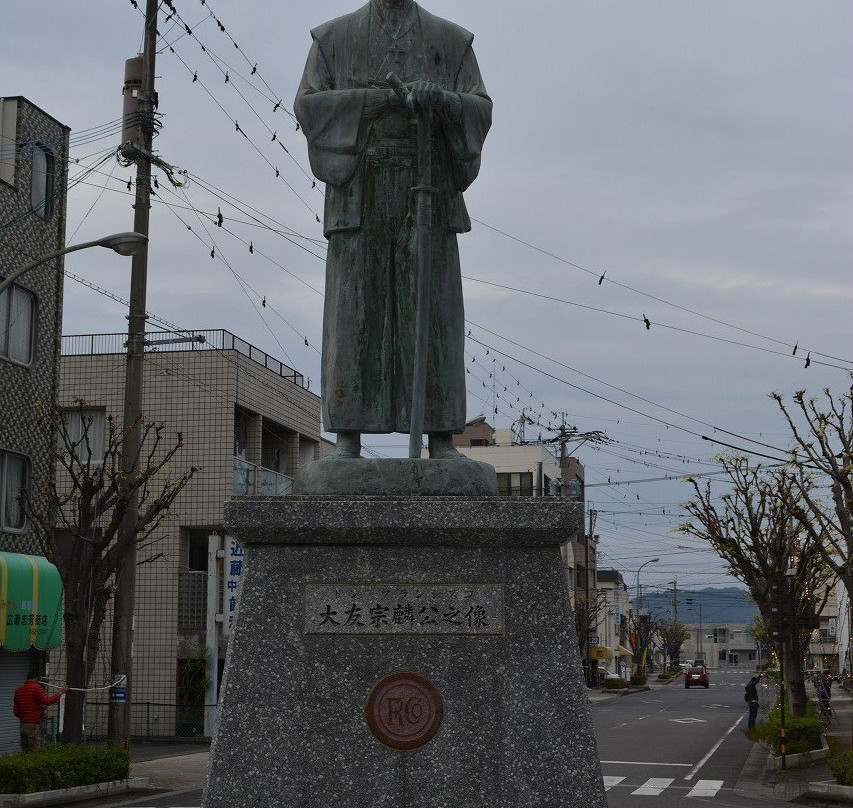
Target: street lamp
[(639, 597), (122, 243)]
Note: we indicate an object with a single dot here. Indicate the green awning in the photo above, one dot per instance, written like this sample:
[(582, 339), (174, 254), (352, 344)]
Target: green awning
[(30, 603)]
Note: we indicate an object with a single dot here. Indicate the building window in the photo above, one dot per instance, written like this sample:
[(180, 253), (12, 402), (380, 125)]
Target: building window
[(42, 184), (515, 484), (85, 428), (17, 324), (14, 480), (197, 541), (580, 577)]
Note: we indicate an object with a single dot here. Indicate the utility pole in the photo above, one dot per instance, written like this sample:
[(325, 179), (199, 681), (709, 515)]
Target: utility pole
[(125, 593), (675, 601), (589, 538)]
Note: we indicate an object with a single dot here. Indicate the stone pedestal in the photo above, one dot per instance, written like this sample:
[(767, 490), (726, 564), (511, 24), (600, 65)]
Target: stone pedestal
[(396, 652)]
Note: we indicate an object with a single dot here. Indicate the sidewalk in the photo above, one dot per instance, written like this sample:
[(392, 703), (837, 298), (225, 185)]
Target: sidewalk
[(794, 783), (176, 772)]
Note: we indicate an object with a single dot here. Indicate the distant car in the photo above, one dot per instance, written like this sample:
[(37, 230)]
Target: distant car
[(604, 673), (699, 662), (697, 675)]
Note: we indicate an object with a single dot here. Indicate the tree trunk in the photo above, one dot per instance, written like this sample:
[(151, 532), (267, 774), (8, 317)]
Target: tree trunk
[(794, 679), (75, 677)]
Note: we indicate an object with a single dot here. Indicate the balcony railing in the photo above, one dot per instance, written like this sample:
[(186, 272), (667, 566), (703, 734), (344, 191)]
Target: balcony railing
[(216, 340), (251, 480)]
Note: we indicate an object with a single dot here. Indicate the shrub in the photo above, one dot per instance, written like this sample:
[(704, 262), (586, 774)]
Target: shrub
[(665, 676), (615, 684), (841, 766), (638, 679), (803, 734), (52, 767)]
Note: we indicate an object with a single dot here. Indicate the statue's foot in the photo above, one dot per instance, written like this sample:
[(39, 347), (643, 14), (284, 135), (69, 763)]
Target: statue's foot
[(441, 448), (348, 445)]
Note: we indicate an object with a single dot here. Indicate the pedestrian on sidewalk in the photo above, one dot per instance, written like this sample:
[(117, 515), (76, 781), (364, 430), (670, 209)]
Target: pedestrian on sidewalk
[(751, 698), (27, 705), (824, 693)]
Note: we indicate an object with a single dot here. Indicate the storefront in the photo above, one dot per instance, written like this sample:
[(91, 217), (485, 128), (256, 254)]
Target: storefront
[(30, 622)]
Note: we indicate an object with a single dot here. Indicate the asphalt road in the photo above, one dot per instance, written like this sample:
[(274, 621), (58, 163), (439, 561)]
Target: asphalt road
[(660, 747)]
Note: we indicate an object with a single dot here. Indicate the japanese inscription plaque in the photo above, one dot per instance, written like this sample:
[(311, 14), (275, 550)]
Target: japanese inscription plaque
[(401, 609), (404, 710)]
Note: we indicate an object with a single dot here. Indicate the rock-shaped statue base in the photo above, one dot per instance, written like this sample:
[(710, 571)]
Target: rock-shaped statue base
[(459, 477)]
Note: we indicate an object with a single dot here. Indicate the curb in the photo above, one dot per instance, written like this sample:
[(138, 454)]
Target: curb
[(801, 758), (636, 689), (64, 796), (832, 791)]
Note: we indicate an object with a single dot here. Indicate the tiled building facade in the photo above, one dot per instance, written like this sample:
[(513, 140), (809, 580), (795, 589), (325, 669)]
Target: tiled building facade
[(248, 422), (33, 178)]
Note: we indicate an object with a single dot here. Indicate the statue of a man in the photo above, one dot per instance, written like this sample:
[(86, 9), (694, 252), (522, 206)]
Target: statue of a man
[(362, 145)]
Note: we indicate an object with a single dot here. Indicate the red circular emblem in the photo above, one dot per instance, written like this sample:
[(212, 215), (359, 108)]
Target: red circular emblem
[(404, 710)]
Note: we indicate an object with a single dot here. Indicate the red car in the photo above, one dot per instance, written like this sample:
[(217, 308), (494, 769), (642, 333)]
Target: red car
[(696, 675)]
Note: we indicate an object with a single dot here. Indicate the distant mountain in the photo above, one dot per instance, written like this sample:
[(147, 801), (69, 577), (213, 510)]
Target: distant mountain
[(719, 606)]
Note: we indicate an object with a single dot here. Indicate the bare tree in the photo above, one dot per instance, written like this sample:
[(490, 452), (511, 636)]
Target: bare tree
[(585, 613), (80, 532), (752, 527), (822, 430), (672, 634), (642, 628)]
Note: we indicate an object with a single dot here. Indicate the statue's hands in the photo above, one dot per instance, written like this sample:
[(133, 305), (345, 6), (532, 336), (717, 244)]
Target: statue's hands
[(376, 101), (427, 95)]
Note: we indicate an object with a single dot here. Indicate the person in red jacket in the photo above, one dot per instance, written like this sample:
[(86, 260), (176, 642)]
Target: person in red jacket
[(30, 697)]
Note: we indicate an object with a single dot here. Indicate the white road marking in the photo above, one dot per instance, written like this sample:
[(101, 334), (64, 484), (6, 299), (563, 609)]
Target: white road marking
[(705, 788), (693, 772), (644, 763), (609, 782), (653, 787), (688, 721)]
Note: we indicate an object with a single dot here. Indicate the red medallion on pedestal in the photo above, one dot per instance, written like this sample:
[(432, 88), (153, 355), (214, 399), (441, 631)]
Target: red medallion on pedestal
[(404, 710)]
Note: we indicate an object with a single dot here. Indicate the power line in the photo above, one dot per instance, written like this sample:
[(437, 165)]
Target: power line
[(602, 276)]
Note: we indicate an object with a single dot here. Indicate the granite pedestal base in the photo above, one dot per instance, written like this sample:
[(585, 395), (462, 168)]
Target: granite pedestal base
[(464, 598)]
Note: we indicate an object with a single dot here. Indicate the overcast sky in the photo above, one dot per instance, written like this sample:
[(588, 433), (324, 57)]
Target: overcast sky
[(698, 152)]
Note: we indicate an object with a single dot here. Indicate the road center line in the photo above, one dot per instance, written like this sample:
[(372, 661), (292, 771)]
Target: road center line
[(693, 772), (644, 763)]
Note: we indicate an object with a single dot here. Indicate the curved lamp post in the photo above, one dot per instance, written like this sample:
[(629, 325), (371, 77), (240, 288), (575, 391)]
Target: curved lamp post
[(639, 598), (122, 243)]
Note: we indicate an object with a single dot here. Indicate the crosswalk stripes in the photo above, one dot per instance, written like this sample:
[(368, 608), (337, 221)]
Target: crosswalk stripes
[(655, 786), (609, 782), (705, 788)]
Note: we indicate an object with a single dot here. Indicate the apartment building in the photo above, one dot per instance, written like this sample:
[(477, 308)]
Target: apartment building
[(33, 180), (248, 422), (613, 605)]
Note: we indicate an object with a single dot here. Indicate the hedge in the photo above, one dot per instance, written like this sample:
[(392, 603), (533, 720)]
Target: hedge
[(841, 766), (638, 679), (803, 734), (615, 684), (53, 767)]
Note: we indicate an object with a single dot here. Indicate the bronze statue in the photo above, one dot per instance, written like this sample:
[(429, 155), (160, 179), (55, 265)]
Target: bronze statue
[(362, 142)]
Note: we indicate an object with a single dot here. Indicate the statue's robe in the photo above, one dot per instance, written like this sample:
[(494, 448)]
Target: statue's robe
[(369, 166)]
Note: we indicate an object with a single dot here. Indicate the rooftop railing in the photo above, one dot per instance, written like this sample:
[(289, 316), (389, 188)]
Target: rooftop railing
[(216, 340)]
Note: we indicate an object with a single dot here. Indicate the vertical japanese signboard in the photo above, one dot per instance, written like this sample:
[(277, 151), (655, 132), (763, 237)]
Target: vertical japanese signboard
[(233, 563)]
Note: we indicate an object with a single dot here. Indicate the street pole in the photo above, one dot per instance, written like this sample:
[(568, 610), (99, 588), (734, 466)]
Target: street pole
[(588, 661), (125, 594)]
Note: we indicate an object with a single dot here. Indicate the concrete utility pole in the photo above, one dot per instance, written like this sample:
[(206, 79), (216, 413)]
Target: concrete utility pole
[(589, 611), (125, 594)]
